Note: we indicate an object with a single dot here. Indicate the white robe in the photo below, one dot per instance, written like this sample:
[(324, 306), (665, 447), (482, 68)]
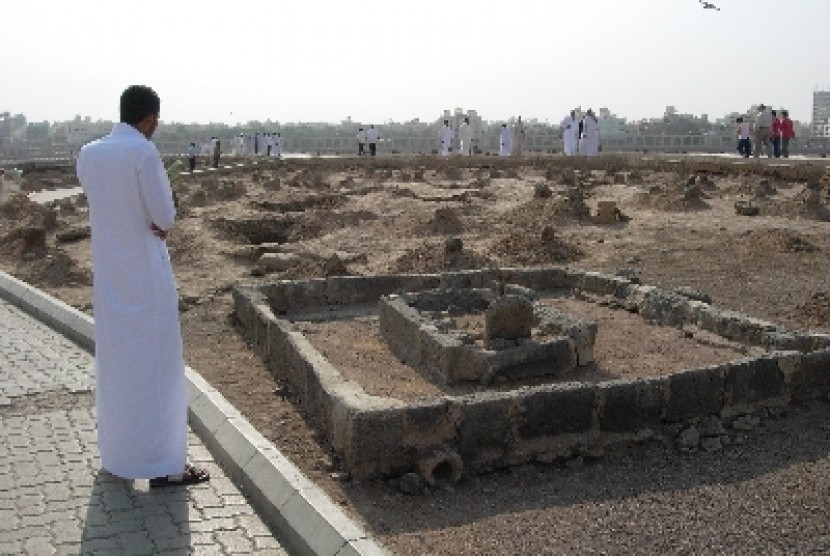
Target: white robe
[(505, 142), (466, 136), (570, 128), (141, 396), (447, 136), (590, 136), (518, 138), (277, 147)]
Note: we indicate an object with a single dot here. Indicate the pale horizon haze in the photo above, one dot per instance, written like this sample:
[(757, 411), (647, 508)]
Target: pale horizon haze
[(375, 61)]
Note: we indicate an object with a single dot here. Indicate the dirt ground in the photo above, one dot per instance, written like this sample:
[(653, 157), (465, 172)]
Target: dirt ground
[(767, 492)]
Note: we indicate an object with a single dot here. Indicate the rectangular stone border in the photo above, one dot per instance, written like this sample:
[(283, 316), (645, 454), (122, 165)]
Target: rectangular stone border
[(378, 436), (446, 359)]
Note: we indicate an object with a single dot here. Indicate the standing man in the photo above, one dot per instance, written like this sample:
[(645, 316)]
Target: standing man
[(504, 141), (787, 133), (518, 137), (191, 156), (569, 128), (217, 151), (372, 137), (590, 134), (447, 136), (466, 136), (141, 396), (776, 135), (361, 141), (278, 145), (763, 131)]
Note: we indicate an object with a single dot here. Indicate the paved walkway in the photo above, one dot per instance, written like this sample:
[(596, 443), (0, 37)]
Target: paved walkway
[(53, 497)]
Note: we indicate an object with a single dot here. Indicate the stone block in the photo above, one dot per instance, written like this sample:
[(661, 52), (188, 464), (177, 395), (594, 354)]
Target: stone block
[(628, 406), (753, 381), (811, 379), (695, 393), (557, 409), (508, 317), (485, 432), (429, 423), (375, 443)]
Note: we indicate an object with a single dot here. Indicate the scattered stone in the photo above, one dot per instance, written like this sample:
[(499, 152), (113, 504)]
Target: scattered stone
[(411, 483), (745, 423), (541, 191), (746, 208), (689, 439), (711, 444), (453, 245)]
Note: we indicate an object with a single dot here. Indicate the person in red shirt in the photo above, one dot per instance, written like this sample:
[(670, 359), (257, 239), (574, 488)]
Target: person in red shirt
[(776, 135), (787, 133)]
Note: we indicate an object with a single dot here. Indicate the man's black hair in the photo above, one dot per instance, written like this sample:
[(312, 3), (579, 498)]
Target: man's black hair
[(137, 102)]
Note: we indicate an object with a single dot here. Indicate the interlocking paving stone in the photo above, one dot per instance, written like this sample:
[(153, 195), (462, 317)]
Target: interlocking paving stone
[(54, 498)]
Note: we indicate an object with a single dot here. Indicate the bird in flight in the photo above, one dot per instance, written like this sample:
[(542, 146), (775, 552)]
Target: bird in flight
[(709, 5)]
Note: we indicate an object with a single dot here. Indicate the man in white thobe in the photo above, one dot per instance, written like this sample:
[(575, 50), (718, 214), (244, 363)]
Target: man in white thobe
[(590, 134), (372, 136), (140, 396), (447, 135), (278, 145), (505, 141), (361, 141), (570, 129), (518, 137), (465, 134)]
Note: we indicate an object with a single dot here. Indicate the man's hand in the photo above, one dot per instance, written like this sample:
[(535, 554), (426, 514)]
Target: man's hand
[(158, 232)]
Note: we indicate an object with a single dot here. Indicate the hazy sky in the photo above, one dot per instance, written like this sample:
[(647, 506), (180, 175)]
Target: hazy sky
[(375, 60)]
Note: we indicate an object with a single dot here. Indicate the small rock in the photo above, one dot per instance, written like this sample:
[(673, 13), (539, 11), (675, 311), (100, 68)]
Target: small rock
[(745, 423), (711, 444), (689, 439), (411, 483)]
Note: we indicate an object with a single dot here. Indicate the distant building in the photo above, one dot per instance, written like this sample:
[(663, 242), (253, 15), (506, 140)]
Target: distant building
[(820, 126)]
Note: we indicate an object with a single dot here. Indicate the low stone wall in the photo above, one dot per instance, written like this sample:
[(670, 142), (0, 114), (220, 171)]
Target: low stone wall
[(690, 409)]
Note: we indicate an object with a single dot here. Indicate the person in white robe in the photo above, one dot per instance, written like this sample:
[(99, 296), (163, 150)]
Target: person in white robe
[(505, 141), (372, 136), (465, 134), (140, 395), (590, 134), (569, 128), (447, 135), (278, 145), (362, 137), (518, 137)]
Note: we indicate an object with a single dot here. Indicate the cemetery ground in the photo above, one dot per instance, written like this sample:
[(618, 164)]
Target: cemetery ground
[(752, 238)]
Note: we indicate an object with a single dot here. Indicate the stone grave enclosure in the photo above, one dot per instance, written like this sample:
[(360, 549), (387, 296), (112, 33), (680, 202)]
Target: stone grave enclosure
[(449, 435)]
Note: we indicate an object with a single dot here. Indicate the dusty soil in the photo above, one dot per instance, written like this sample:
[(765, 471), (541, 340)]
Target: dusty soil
[(767, 492)]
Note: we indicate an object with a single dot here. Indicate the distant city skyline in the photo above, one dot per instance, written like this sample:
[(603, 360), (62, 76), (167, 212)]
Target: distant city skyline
[(325, 61)]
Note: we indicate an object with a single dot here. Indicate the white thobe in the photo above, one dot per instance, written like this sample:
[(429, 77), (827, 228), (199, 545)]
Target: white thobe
[(590, 136), (447, 136), (277, 147), (141, 396), (505, 142), (570, 128), (466, 136), (518, 138)]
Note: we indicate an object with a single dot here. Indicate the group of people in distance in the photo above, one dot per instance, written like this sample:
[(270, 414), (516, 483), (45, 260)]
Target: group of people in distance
[(771, 133), (580, 135), (367, 136)]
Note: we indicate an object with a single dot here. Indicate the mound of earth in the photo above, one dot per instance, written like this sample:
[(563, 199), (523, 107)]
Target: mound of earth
[(776, 240)]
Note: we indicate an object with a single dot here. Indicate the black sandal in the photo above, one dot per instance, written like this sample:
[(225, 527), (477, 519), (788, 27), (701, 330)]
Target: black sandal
[(191, 476)]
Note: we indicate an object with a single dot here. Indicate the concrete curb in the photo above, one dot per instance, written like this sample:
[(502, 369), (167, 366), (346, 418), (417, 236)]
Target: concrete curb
[(304, 517)]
